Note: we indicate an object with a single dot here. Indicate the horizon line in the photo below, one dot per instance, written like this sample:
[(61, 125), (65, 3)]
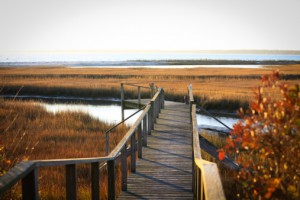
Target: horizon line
[(215, 51)]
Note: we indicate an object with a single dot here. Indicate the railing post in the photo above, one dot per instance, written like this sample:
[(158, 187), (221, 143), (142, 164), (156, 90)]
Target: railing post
[(30, 185), (157, 108), (162, 98), (198, 190), (122, 101), (152, 89), (71, 182), (139, 96), (193, 178), (95, 181), (201, 186), (158, 103), (140, 145), (132, 157), (145, 132), (107, 142), (111, 173), (150, 120), (153, 114), (124, 168)]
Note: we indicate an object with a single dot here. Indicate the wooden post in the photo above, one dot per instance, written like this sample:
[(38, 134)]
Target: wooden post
[(95, 181), (152, 89), (202, 186), (30, 185), (71, 182), (158, 107), (193, 173), (111, 173), (152, 114), (163, 98), (124, 167), (197, 184), (140, 145), (139, 96), (149, 121), (145, 132), (132, 157), (122, 101), (158, 103), (107, 142)]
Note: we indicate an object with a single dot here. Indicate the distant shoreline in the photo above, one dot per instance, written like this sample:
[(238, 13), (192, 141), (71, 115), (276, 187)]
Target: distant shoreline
[(150, 63)]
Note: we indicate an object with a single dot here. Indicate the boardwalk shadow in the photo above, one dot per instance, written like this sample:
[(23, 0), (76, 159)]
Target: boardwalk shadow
[(171, 140), (165, 171), (175, 186), (170, 153), (168, 119), (167, 166)]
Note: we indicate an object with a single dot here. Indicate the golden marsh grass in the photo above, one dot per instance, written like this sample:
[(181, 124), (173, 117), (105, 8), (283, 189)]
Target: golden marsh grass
[(30, 132), (211, 85)]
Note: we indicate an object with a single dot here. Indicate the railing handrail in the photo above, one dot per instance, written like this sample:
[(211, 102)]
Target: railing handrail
[(134, 85), (128, 134), (206, 178), (27, 169), (121, 122)]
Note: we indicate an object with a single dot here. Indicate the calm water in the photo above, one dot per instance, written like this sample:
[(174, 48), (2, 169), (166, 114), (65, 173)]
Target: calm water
[(105, 113), (112, 113), (98, 57)]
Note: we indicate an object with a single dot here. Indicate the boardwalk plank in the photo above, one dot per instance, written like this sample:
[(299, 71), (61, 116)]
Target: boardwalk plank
[(165, 170)]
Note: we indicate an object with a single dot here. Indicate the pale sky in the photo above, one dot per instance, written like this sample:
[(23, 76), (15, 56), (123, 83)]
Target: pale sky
[(118, 25)]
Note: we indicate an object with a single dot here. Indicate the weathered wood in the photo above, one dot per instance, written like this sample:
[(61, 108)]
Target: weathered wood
[(164, 172), (150, 120), (30, 185), (129, 133), (140, 144), (107, 137), (145, 131), (139, 95), (111, 173), (170, 145), (153, 108), (71, 182), (70, 161), (122, 101), (132, 156), (208, 183), (134, 85), (133, 103), (95, 180), (152, 89), (15, 174), (124, 168)]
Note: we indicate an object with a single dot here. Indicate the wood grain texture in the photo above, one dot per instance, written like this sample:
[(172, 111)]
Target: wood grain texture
[(165, 171)]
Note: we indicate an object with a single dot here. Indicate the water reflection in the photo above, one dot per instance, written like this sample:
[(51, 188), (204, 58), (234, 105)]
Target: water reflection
[(105, 113), (112, 113), (209, 121)]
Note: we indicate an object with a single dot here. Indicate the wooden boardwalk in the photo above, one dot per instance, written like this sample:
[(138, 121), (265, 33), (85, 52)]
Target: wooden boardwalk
[(165, 171)]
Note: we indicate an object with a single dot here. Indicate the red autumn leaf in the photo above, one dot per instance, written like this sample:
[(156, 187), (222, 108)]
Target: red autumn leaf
[(221, 155)]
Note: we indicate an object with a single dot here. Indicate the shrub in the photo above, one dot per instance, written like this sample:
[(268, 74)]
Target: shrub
[(267, 143)]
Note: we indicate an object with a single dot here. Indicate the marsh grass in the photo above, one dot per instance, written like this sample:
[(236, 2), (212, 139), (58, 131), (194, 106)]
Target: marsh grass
[(30, 132), (214, 88)]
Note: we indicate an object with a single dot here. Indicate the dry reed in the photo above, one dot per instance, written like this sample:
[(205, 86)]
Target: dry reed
[(30, 132)]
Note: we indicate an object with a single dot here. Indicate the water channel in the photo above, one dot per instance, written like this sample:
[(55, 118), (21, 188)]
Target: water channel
[(111, 113)]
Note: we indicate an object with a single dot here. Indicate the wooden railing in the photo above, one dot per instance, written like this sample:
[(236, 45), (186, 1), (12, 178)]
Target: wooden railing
[(27, 171), (139, 94), (206, 179)]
